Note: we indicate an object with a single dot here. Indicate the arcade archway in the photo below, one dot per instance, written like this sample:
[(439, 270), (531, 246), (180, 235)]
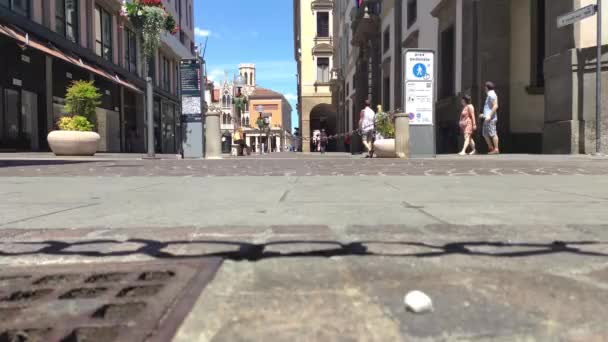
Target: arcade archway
[(324, 116)]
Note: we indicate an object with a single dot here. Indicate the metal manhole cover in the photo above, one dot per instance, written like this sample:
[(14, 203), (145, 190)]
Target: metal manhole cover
[(143, 301)]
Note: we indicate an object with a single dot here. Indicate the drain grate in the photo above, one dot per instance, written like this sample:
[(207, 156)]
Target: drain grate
[(143, 301)]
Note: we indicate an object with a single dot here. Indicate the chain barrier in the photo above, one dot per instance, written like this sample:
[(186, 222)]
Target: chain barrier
[(377, 118)]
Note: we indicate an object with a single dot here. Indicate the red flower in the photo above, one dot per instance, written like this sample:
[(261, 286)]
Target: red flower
[(153, 3)]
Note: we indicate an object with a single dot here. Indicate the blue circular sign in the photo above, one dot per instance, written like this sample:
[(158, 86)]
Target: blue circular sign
[(419, 70)]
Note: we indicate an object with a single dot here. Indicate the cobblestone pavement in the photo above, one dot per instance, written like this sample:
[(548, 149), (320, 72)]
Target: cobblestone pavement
[(306, 165), (313, 283)]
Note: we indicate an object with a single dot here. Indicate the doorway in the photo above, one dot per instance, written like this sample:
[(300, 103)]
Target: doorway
[(18, 120)]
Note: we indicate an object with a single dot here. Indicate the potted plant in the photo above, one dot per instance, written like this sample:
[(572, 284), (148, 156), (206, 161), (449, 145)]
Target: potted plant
[(75, 136), (384, 146)]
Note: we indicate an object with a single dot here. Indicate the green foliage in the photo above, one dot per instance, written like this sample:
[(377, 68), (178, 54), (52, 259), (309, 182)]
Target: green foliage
[(81, 99), (75, 123), (385, 125)]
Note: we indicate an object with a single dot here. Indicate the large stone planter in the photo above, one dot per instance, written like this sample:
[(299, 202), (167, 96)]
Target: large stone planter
[(385, 148), (73, 143)]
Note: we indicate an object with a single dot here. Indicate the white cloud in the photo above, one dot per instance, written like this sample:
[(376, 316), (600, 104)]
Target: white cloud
[(215, 75), (199, 32), (291, 97)]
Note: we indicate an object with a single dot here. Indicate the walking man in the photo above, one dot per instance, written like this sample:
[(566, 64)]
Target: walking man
[(367, 126), (490, 117)]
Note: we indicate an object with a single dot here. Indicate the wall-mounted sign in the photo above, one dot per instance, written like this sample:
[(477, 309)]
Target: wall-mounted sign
[(17, 82), (576, 16), (68, 75), (25, 58)]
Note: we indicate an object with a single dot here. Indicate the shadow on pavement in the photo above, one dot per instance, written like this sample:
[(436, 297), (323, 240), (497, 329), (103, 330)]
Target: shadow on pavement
[(238, 251), (39, 162)]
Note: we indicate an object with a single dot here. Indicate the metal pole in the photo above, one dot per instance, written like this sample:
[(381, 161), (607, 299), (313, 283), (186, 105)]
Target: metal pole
[(598, 94), (150, 115)]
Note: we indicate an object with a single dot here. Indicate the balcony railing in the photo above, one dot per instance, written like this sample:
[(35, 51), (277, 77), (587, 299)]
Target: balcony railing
[(366, 20)]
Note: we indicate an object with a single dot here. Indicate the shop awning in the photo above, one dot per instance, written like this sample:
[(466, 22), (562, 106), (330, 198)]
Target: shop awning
[(27, 41)]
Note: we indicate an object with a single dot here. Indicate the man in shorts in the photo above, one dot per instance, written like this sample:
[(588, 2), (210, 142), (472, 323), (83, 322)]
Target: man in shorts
[(367, 125), (490, 117)]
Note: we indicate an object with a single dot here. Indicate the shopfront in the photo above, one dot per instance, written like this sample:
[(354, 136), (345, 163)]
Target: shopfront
[(21, 96)]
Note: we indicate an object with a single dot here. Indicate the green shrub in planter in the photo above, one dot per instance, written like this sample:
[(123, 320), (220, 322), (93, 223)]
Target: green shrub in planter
[(385, 125), (75, 123), (81, 100)]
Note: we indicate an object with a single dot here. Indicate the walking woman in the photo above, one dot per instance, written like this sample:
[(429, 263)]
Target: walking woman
[(467, 125)]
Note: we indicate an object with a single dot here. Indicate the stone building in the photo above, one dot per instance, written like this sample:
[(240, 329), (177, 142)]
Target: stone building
[(47, 44), (314, 51), (545, 75)]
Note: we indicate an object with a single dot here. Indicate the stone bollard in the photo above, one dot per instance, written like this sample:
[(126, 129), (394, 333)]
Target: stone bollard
[(402, 135), (213, 138)]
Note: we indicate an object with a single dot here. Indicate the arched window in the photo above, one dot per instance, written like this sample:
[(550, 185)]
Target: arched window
[(224, 118), (224, 100), (251, 79), (242, 121), (229, 119), (246, 82), (247, 122)]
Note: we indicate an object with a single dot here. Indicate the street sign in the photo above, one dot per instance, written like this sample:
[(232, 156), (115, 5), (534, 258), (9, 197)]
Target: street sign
[(419, 65), (576, 16), (419, 102)]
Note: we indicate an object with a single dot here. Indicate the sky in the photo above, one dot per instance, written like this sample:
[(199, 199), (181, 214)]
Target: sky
[(246, 31)]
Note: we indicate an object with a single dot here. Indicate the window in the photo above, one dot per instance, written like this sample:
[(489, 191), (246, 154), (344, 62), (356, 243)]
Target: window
[(386, 93), (103, 33), (447, 54), (21, 7), (538, 44), (386, 41), (130, 50), (323, 24), (323, 69), (412, 12), (165, 83), (66, 18)]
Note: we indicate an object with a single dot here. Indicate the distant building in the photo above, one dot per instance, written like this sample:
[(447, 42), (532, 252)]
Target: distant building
[(314, 52), (275, 107)]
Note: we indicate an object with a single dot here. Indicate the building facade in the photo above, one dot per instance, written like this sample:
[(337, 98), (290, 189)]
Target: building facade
[(273, 105), (50, 43), (314, 54), (545, 75)]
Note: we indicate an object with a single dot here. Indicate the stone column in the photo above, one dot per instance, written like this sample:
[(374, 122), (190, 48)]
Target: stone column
[(402, 135), (213, 136)]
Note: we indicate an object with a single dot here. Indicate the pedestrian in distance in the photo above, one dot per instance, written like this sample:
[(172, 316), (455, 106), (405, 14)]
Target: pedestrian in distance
[(467, 125), (323, 140), (367, 126), (490, 118)]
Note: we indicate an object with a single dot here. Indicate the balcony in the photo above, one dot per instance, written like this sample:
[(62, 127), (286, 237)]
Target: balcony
[(365, 21), (322, 5)]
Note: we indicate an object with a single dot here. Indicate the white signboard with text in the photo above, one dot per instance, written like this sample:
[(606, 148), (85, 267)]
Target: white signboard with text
[(419, 102), (419, 86)]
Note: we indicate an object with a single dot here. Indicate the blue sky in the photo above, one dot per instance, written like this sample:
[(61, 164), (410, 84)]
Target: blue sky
[(247, 31)]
